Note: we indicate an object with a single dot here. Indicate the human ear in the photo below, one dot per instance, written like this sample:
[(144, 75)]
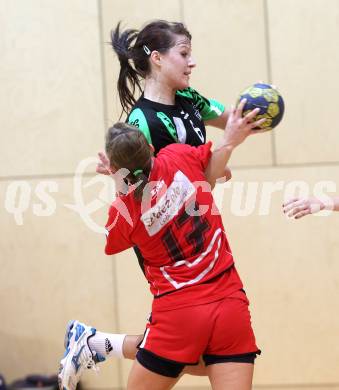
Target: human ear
[(155, 57)]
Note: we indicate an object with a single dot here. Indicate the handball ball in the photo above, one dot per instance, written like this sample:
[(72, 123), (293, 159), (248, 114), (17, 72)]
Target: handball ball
[(268, 99)]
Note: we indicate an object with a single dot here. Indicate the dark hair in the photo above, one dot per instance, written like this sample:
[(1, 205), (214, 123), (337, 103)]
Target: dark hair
[(158, 35), (127, 147)]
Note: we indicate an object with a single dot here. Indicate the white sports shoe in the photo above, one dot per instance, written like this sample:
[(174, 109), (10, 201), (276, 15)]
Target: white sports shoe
[(78, 355)]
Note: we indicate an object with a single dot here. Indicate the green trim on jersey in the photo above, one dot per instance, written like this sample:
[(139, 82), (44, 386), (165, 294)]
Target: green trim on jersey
[(137, 118), (208, 108), (168, 124), (215, 110)]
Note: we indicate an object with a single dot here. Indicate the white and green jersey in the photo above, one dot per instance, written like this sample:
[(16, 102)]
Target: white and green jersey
[(182, 122)]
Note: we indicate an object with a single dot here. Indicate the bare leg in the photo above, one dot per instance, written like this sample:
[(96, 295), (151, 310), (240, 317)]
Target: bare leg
[(129, 347), (198, 370), (231, 376), (142, 379)]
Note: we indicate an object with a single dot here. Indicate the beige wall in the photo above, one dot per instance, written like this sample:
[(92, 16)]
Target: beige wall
[(57, 96), (52, 114)]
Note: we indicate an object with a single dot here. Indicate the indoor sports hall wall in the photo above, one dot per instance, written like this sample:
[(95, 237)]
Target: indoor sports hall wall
[(58, 96)]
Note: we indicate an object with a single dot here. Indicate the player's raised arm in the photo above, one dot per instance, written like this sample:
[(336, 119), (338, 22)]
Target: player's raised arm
[(238, 128)]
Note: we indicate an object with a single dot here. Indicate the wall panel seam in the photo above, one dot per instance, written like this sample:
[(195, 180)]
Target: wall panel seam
[(105, 114), (269, 70)]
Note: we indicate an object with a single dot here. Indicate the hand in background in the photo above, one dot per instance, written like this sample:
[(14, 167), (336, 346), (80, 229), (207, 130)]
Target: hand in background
[(298, 207), (103, 166)]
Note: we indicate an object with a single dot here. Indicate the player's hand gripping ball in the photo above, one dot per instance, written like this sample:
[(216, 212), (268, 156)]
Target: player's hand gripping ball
[(268, 99)]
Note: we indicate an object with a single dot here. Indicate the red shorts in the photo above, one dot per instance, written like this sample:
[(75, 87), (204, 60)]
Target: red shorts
[(217, 329)]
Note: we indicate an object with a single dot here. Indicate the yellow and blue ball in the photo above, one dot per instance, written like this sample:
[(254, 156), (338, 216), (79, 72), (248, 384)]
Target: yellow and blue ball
[(268, 99)]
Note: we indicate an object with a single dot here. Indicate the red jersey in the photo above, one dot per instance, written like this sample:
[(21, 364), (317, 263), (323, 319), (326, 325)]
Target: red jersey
[(178, 230)]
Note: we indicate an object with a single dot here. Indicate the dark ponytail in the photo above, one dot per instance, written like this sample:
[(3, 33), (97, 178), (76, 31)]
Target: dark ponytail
[(128, 76), (127, 147), (159, 35)]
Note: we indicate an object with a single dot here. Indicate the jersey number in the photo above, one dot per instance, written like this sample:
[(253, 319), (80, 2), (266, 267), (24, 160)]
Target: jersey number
[(195, 237)]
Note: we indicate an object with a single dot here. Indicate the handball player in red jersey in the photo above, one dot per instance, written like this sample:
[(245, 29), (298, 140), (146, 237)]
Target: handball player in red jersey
[(199, 306)]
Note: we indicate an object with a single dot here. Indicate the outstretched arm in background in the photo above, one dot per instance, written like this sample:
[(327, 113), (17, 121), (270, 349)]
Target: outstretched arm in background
[(299, 207)]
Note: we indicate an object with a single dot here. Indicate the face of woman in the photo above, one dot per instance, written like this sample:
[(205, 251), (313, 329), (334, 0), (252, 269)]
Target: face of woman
[(177, 63)]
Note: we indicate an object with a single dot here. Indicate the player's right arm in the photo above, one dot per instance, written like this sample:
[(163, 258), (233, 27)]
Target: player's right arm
[(299, 207), (238, 128)]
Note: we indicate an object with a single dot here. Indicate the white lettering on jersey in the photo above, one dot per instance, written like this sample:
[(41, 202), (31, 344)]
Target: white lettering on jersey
[(165, 270), (154, 192), (184, 114), (198, 131), (197, 113), (169, 204), (181, 130)]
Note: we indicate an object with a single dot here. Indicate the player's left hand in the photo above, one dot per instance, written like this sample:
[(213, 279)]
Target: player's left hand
[(103, 166)]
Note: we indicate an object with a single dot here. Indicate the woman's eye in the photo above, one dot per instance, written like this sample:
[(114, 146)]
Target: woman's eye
[(184, 54)]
